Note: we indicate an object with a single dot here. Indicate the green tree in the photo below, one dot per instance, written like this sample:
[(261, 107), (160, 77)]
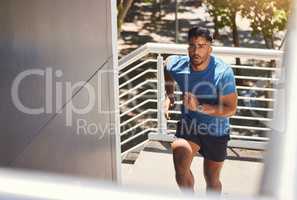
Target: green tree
[(224, 14), (267, 17), (214, 11)]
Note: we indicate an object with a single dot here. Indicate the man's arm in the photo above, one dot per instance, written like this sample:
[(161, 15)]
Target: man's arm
[(169, 84), (169, 81), (226, 107), (169, 88)]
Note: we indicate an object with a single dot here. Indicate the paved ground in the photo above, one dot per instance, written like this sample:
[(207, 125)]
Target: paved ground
[(154, 169)]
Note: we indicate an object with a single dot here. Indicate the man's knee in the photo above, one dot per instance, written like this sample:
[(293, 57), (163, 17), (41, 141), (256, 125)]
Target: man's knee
[(184, 147), (212, 172), (182, 151), (182, 158), (182, 162)]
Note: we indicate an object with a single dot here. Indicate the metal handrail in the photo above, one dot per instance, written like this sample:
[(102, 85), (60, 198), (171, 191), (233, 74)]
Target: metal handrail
[(137, 116), (138, 96), (137, 76), (136, 66), (181, 49), (256, 78), (138, 125), (255, 68), (136, 135), (139, 105), (130, 63), (138, 86)]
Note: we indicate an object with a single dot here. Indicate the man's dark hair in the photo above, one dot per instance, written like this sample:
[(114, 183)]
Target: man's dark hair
[(199, 32)]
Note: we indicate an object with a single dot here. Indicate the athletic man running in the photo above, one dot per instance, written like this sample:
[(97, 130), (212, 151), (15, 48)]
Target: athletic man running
[(209, 98)]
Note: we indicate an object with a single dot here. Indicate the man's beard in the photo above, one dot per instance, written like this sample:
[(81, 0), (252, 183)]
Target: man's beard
[(197, 62)]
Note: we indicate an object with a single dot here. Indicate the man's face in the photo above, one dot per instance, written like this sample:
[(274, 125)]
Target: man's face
[(199, 50)]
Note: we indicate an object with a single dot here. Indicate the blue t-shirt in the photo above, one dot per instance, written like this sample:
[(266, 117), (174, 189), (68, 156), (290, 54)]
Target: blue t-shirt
[(208, 85)]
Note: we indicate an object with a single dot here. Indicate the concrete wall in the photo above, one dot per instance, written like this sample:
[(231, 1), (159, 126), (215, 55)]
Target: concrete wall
[(46, 48)]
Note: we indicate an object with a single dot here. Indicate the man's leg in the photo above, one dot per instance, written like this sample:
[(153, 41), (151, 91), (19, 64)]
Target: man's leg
[(183, 152), (212, 170)]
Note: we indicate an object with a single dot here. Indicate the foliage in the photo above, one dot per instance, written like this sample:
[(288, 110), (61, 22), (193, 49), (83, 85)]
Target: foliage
[(267, 17)]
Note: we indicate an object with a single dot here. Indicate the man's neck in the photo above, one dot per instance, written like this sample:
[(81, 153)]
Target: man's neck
[(202, 66)]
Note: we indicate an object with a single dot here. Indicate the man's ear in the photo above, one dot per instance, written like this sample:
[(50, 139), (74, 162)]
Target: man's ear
[(210, 50)]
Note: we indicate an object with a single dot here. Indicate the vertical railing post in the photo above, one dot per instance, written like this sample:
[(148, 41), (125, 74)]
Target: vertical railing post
[(279, 85), (176, 21), (162, 123)]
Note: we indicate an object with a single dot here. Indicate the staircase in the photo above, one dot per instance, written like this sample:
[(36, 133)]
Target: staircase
[(142, 95), (154, 169)]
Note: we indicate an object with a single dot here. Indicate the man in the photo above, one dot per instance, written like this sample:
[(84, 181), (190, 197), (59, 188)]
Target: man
[(209, 98)]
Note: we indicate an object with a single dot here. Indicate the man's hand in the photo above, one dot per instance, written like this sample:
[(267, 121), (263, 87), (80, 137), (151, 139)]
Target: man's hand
[(190, 101), (169, 103)]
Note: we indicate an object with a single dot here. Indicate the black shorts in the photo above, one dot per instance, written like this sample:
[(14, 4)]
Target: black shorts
[(211, 147)]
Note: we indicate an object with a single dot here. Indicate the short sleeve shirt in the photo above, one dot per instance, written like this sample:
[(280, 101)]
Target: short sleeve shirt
[(208, 85)]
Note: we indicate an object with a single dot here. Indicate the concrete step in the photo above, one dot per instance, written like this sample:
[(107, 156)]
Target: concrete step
[(154, 169)]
